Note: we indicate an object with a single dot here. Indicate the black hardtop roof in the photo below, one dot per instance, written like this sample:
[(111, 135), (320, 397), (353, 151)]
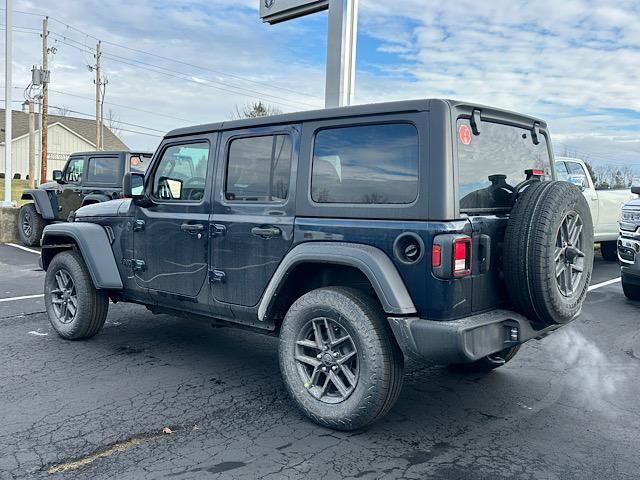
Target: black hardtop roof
[(110, 152), (405, 106)]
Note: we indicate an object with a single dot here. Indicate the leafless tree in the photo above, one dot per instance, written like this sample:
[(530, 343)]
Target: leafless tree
[(255, 110), (112, 121), (63, 111)]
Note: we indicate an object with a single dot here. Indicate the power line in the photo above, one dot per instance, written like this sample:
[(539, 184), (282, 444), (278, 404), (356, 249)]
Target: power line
[(181, 62), (185, 76)]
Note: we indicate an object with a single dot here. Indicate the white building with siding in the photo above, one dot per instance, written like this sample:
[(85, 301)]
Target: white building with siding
[(65, 135)]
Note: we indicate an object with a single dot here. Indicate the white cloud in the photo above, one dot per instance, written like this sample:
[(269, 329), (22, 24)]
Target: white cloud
[(575, 63)]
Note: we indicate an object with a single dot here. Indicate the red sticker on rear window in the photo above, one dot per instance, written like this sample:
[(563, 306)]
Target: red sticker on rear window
[(464, 133)]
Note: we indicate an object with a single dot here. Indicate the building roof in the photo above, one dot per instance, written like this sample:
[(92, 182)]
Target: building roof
[(84, 127)]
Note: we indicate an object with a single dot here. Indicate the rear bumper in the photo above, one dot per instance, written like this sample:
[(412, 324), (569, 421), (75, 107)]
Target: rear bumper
[(464, 340)]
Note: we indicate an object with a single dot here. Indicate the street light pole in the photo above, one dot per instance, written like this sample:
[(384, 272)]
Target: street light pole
[(8, 86)]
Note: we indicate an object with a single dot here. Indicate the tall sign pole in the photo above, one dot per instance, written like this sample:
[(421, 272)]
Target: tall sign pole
[(8, 86), (342, 33)]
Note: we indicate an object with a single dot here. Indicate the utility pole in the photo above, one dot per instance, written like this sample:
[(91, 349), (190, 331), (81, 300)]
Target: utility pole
[(32, 145), (104, 92), (8, 86), (98, 94), (45, 100)]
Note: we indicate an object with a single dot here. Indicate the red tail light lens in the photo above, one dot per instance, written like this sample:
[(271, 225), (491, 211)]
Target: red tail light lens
[(436, 256), (461, 256)]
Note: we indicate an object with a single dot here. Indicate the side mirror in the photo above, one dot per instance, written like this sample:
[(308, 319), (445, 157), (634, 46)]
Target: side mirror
[(579, 181), (635, 185), (57, 176), (133, 185), (636, 190)]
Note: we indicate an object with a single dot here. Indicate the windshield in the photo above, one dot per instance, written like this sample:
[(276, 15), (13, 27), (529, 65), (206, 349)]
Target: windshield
[(494, 162)]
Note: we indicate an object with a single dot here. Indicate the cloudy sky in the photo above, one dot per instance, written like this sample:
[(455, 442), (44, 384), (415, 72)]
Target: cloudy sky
[(174, 63)]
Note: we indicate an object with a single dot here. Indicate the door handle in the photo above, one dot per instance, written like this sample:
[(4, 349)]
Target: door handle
[(266, 232), (192, 227)]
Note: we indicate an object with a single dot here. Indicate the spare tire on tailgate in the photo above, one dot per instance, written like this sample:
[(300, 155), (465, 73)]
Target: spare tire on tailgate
[(548, 252)]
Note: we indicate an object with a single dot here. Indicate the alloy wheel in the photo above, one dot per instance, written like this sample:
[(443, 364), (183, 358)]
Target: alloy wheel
[(327, 360), (64, 297), (569, 255)]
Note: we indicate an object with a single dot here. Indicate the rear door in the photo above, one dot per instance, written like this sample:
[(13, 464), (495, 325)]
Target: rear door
[(253, 212), (491, 164)]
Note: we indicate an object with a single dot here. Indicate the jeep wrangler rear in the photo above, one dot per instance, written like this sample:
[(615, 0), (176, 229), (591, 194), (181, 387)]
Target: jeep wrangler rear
[(362, 235)]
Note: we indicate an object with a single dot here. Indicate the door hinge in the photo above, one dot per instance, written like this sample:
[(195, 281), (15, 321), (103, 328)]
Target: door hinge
[(216, 276), (217, 230), (138, 225)]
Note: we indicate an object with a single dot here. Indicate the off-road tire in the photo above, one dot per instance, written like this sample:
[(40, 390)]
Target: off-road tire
[(380, 360), (609, 251), (488, 363), (632, 292), (92, 304), (530, 248), (29, 218)]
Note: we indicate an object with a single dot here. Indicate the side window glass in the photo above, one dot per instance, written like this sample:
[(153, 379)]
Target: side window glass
[(258, 169), (104, 170), (182, 173), (561, 171), (75, 168), (371, 164)]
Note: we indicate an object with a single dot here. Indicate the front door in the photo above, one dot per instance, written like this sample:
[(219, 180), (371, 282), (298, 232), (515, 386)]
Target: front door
[(252, 222), (70, 191), (170, 234)]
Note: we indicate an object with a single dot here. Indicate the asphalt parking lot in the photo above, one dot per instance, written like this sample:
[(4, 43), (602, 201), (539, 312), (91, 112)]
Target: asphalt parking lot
[(565, 408)]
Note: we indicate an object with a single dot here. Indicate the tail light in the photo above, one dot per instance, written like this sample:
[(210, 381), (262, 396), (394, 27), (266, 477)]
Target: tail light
[(461, 257), (451, 256)]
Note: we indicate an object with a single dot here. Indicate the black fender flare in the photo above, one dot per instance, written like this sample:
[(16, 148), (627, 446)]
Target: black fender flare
[(95, 198), (41, 201), (94, 246), (371, 261)]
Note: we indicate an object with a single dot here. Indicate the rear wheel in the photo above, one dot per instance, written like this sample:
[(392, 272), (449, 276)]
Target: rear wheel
[(339, 359), (30, 225), (632, 292), (76, 309), (548, 252), (609, 251)]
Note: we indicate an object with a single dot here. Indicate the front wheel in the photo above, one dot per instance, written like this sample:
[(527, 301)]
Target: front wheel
[(609, 251), (30, 225), (339, 359), (76, 309), (632, 292)]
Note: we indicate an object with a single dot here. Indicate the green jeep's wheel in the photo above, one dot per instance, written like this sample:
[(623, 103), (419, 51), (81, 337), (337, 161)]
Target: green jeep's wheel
[(339, 359), (76, 309), (609, 251), (30, 225)]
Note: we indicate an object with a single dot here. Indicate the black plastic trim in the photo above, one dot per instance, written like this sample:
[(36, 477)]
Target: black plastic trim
[(371, 261), (93, 242), (41, 201)]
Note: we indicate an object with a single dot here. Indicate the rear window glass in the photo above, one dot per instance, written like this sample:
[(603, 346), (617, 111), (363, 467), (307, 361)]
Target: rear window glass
[(372, 164), (104, 170), (493, 163)]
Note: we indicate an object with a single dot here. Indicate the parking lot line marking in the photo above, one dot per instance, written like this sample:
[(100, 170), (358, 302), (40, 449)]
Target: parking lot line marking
[(604, 284), (24, 297), (23, 248)]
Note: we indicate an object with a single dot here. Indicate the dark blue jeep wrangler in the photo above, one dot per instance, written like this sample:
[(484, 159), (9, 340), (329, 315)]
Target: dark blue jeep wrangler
[(360, 236)]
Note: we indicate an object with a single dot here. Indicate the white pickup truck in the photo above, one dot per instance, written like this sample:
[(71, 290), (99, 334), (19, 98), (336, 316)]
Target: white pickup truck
[(606, 205)]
